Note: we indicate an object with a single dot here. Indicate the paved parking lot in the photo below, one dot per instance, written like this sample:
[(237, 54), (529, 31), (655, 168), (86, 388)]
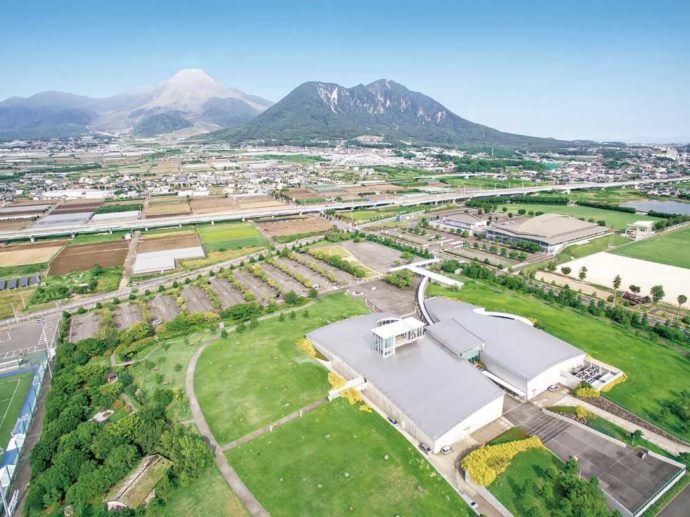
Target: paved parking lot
[(127, 314), (286, 282), (679, 507), (262, 291), (227, 294), (624, 472), (388, 298), (163, 307), (196, 300), (27, 337), (316, 279), (84, 326)]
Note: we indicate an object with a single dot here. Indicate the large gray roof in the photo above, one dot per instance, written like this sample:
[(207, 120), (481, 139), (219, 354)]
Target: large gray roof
[(432, 387), (550, 228), (524, 350)]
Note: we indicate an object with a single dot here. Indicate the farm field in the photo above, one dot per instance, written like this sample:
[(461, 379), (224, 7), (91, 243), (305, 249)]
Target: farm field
[(57, 287), (211, 205), (186, 239), (228, 236), (213, 257), (162, 207), (34, 253), (252, 378), (614, 220), (672, 248), (13, 390), (16, 298), (92, 238), (14, 224), (257, 202), (287, 230), (652, 367), (86, 256), (338, 460), (516, 487)]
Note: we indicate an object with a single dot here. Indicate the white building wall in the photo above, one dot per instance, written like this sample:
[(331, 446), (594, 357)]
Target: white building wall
[(477, 420), (553, 375), (504, 373)]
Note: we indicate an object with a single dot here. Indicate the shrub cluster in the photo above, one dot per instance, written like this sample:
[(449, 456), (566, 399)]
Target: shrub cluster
[(486, 463), (605, 206), (339, 262)]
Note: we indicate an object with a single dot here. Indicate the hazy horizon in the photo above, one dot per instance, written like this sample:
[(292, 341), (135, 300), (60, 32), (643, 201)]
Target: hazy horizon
[(618, 71)]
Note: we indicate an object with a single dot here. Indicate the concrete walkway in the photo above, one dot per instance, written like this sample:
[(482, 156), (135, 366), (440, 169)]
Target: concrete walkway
[(231, 477), (273, 425), (663, 442)]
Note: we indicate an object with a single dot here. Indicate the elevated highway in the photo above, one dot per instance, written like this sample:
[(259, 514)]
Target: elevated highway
[(458, 195)]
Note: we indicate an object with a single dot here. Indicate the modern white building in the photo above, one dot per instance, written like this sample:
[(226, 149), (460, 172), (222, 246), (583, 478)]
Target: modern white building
[(470, 222), (639, 230)]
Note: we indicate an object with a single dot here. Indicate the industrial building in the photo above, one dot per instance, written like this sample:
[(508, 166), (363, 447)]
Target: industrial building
[(552, 232), (470, 222)]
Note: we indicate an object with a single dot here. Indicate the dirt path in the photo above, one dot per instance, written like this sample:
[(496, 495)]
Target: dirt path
[(274, 425), (129, 260)]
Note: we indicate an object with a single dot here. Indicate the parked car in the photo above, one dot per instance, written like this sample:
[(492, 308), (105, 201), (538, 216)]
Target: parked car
[(424, 448), (554, 387), (392, 420), (446, 449)]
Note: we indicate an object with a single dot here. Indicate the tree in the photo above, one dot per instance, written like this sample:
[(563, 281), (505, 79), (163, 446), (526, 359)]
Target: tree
[(583, 273), (681, 300), (634, 288), (566, 270), (635, 436), (616, 285), (657, 292)]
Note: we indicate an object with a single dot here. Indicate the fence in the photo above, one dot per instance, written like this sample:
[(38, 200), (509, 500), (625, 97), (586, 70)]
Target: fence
[(38, 364)]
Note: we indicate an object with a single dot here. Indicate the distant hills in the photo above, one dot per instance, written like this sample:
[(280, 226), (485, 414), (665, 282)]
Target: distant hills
[(384, 109), (190, 101)]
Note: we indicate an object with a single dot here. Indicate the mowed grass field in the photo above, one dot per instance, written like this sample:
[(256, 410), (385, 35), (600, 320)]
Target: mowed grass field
[(653, 368), (516, 487), (338, 460), (591, 247), (228, 236), (13, 389), (253, 378), (671, 248), (614, 220)]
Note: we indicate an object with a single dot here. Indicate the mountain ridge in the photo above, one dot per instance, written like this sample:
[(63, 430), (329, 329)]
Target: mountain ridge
[(318, 110)]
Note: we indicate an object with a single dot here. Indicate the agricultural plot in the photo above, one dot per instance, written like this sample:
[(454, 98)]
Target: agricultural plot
[(671, 248), (316, 279), (13, 390), (127, 314), (229, 236), (14, 224), (211, 205), (262, 292), (169, 241), (84, 326), (163, 308), (86, 256), (34, 253), (167, 206), (196, 300), (286, 230), (284, 281), (77, 207), (226, 293), (257, 202), (338, 460)]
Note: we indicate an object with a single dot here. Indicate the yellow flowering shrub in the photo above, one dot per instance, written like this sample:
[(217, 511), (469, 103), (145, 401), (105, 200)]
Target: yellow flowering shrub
[(580, 411), (335, 380), (305, 346), (585, 391), (366, 408), (486, 463), (352, 396), (615, 382)]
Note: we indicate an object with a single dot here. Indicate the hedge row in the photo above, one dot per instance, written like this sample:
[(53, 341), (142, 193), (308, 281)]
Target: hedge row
[(486, 463)]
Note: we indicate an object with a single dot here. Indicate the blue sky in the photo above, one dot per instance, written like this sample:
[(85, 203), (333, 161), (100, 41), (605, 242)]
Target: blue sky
[(602, 70)]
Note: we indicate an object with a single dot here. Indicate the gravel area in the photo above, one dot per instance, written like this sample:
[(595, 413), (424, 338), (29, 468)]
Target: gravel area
[(163, 308), (84, 326), (127, 314), (196, 300), (227, 294)]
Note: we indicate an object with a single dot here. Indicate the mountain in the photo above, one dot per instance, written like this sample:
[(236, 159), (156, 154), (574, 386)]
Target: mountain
[(189, 99), (321, 111), (160, 123)]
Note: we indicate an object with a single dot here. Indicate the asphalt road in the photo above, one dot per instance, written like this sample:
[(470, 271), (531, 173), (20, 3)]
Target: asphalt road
[(679, 506)]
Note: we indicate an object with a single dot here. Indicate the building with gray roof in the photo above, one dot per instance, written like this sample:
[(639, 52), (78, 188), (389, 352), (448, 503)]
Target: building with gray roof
[(522, 358), (435, 395), (552, 232)]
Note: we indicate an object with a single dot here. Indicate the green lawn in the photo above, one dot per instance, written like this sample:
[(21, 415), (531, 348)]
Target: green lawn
[(168, 364), (228, 236), (24, 269), (512, 434), (615, 220), (208, 495), (614, 196), (91, 238), (13, 389), (672, 248), (653, 368), (56, 287), (517, 487), (338, 460), (591, 247), (252, 378)]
